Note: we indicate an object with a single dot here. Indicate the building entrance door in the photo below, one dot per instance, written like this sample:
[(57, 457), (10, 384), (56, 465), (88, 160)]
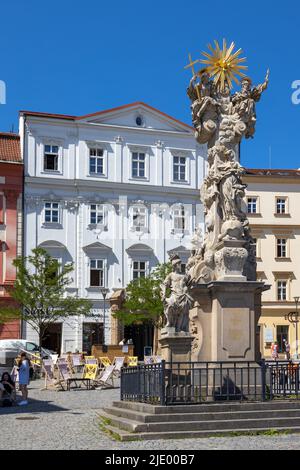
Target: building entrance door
[(52, 338), (141, 335), (92, 334)]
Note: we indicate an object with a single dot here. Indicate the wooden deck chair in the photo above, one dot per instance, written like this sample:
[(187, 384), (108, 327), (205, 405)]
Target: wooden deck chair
[(132, 361), (107, 378), (118, 363), (90, 371), (157, 359), (64, 373), (149, 360), (76, 360), (54, 358), (104, 362), (50, 378), (91, 360)]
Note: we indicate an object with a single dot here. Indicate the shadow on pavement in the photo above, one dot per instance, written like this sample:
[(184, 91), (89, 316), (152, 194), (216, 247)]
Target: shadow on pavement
[(34, 406)]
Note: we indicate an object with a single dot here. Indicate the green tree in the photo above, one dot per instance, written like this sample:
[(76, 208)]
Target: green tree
[(41, 291), (143, 303)]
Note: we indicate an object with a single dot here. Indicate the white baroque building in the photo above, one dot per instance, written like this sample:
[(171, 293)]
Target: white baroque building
[(114, 192)]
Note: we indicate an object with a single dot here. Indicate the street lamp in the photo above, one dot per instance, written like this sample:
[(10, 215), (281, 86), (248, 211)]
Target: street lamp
[(104, 291), (293, 317)]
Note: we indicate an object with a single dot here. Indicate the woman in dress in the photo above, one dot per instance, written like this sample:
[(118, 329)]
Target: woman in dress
[(24, 374)]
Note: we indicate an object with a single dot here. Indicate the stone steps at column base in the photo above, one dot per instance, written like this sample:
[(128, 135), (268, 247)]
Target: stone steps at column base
[(124, 436), (193, 428)]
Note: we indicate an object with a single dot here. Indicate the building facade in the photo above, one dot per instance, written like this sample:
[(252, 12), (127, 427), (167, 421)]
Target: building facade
[(272, 201), (11, 186), (114, 192)]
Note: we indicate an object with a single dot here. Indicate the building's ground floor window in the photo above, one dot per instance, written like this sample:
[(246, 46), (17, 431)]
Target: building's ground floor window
[(92, 334), (282, 333)]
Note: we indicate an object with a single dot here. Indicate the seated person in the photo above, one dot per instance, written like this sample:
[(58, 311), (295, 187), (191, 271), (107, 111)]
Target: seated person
[(7, 387)]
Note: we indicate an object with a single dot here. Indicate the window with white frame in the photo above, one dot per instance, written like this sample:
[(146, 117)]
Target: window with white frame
[(51, 212), (281, 205), (281, 290), (179, 218), (139, 218), (179, 168), (96, 273), (138, 165), (97, 214), (139, 269), (51, 157), (281, 247), (96, 161), (252, 205)]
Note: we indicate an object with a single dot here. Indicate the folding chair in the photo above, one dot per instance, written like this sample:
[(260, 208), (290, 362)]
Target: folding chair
[(132, 361), (157, 359), (90, 371), (91, 360), (149, 360), (49, 376), (104, 362), (64, 373), (118, 363), (107, 378)]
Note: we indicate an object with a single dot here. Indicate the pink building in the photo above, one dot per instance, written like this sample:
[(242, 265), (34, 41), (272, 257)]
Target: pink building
[(11, 188)]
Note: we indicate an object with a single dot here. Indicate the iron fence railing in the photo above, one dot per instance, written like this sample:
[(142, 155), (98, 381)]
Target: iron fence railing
[(199, 382)]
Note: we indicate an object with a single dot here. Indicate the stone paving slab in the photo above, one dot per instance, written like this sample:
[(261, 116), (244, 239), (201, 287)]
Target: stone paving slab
[(68, 420)]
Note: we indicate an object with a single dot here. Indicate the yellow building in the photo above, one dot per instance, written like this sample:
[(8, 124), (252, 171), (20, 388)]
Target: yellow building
[(273, 206)]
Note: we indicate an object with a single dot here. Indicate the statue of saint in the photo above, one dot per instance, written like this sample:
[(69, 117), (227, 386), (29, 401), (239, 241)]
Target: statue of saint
[(179, 302)]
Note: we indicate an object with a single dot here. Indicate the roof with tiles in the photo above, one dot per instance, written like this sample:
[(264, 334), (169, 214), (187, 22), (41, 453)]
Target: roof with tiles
[(272, 172), (10, 149)]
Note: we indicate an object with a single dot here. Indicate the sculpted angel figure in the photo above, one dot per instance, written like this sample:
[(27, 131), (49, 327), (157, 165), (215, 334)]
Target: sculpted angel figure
[(244, 102), (177, 305), (204, 106)]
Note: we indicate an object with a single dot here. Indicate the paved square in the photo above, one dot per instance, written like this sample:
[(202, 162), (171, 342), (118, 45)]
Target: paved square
[(68, 420)]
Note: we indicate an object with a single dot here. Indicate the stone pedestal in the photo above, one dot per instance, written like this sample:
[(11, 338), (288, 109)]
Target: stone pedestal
[(175, 347), (225, 321)]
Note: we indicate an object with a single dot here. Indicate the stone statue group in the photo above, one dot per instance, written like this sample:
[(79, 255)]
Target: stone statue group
[(221, 119)]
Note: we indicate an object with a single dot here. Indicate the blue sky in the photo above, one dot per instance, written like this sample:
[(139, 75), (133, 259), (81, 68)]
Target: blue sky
[(75, 57)]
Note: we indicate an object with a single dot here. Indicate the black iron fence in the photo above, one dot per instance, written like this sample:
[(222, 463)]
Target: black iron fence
[(199, 382)]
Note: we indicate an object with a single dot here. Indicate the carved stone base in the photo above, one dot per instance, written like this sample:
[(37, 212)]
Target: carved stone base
[(225, 317), (175, 347), (230, 259)]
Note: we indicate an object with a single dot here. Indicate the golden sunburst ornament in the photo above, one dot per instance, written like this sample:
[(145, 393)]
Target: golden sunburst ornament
[(224, 64)]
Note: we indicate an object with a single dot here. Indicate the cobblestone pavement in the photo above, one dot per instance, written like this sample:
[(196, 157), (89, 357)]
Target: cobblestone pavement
[(68, 420)]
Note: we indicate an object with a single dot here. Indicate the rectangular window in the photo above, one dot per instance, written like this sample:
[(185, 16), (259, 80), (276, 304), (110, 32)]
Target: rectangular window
[(97, 214), (183, 268), (96, 161), (138, 165), (50, 158), (139, 269), (252, 205), (179, 169), (282, 333), (52, 212), (281, 205), (281, 248), (97, 273), (281, 290), (138, 218), (179, 219)]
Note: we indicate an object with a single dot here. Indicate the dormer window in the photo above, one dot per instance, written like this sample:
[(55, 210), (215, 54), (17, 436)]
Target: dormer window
[(50, 158)]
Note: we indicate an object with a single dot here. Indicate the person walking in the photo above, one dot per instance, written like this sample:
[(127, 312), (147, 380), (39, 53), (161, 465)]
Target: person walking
[(287, 349), (274, 351), (24, 376)]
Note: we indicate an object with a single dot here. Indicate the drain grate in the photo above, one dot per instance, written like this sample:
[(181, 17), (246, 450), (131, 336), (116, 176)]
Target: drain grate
[(27, 417)]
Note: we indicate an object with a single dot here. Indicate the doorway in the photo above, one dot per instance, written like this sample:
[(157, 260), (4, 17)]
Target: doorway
[(52, 338), (142, 336), (92, 333)]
